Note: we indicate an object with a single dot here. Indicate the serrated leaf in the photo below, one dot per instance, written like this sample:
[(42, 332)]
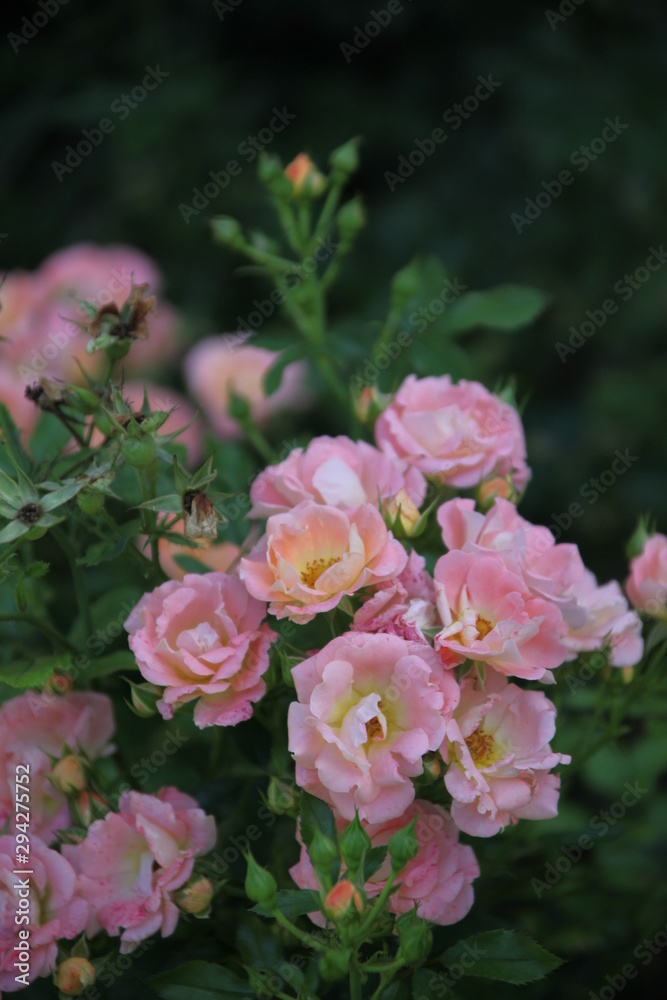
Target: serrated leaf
[(27, 674), (506, 307), (292, 903), (199, 981), (510, 956)]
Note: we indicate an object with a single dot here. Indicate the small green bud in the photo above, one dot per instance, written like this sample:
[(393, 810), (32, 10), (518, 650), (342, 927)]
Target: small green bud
[(227, 230), (403, 847), (345, 159), (268, 168), (144, 698), (335, 965), (280, 797), (415, 937), (90, 501), (139, 452), (351, 218), (639, 538), (354, 842), (322, 852), (260, 885)]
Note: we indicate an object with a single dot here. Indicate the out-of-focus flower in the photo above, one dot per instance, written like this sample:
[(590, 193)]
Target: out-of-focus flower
[(132, 862), (35, 728), (203, 638), (314, 555), (223, 365), (609, 623), (48, 895), (459, 434), (337, 472), (305, 177), (647, 584), (369, 707), (499, 757)]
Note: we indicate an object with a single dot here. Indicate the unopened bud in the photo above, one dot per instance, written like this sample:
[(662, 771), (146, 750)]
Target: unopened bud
[(335, 965), (342, 901), (322, 852), (402, 513), (345, 159), (354, 842), (403, 847), (306, 179), (415, 937), (260, 885), (58, 684), (497, 486), (145, 698), (432, 766), (68, 775), (227, 230), (74, 975), (351, 218), (196, 897), (280, 797), (370, 403)]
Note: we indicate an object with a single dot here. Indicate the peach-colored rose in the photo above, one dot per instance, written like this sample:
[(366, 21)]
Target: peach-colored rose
[(203, 638), (51, 901), (224, 364), (405, 607), (314, 555), (609, 622), (369, 707), (499, 757), (438, 879), (132, 862), (459, 434), (337, 472), (35, 728), (647, 584)]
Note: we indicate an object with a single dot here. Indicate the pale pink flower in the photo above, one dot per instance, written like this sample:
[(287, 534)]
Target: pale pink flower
[(132, 862), (337, 472), (52, 903), (202, 638), (499, 757), (647, 584), (405, 607), (314, 555), (609, 623), (459, 434), (224, 364), (33, 729), (489, 614), (369, 707), (438, 878)]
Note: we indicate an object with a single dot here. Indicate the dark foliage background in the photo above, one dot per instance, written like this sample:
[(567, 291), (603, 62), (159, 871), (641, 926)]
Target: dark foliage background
[(558, 85)]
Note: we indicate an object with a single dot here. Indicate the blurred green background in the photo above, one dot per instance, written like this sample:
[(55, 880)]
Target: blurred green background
[(559, 80)]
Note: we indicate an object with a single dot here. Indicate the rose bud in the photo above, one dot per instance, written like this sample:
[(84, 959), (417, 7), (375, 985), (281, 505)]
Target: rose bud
[(196, 897), (341, 899), (305, 177), (74, 975), (68, 775), (402, 513)]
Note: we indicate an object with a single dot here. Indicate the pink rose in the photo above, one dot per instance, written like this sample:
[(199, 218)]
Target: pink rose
[(223, 364), (314, 555), (202, 637), (438, 879), (647, 584), (337, 472), (132, 862), (499, 756), (369, 707), (52, 903), (405, 607), (609, 622), (35, 728), (458, 433), (489, 614)]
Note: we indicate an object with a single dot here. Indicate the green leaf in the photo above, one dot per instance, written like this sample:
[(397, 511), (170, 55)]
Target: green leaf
[(31, 673), (274, 376), (427, 984), (199, 981), (510, 956), (316, 814), (374, 860), (506, 307), (170, 503), (13, 530), (292, 903)]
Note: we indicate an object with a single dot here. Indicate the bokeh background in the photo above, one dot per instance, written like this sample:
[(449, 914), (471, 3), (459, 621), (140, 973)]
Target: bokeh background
[(560, 77)]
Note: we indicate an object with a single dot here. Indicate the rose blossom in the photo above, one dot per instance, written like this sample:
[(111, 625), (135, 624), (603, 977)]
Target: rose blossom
[(35, 728), (609, 622), (405, 607), (499, 756), (221, 365), (369, 707), (314, 555), (132, 862), (55, 909), (647, 584), (489, 614), (458, 433), (202, 637), (438, 878), (337, 472)]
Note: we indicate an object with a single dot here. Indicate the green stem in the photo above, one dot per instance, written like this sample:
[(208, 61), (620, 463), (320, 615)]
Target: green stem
[(78, 578), (290, 228), (386, 976), (328, 209), (379, 906), (46, 630), (300, 935), (355, 981)]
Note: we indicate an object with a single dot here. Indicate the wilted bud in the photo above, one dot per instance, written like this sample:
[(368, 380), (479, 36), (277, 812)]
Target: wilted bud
[(74, 975), (497, 486), (335, 965), (46, 394), (402, 513), (342, 901), (403, 847), (306, 179), (415, 937), (145, 698), (201, 517), (260, 885), (68, 775), (280, 797), (196, 897)]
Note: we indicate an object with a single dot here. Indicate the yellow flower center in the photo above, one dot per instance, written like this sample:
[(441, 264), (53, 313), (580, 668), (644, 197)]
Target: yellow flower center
[(374, 729), (483, 626), (314, 569), (483, 748)]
